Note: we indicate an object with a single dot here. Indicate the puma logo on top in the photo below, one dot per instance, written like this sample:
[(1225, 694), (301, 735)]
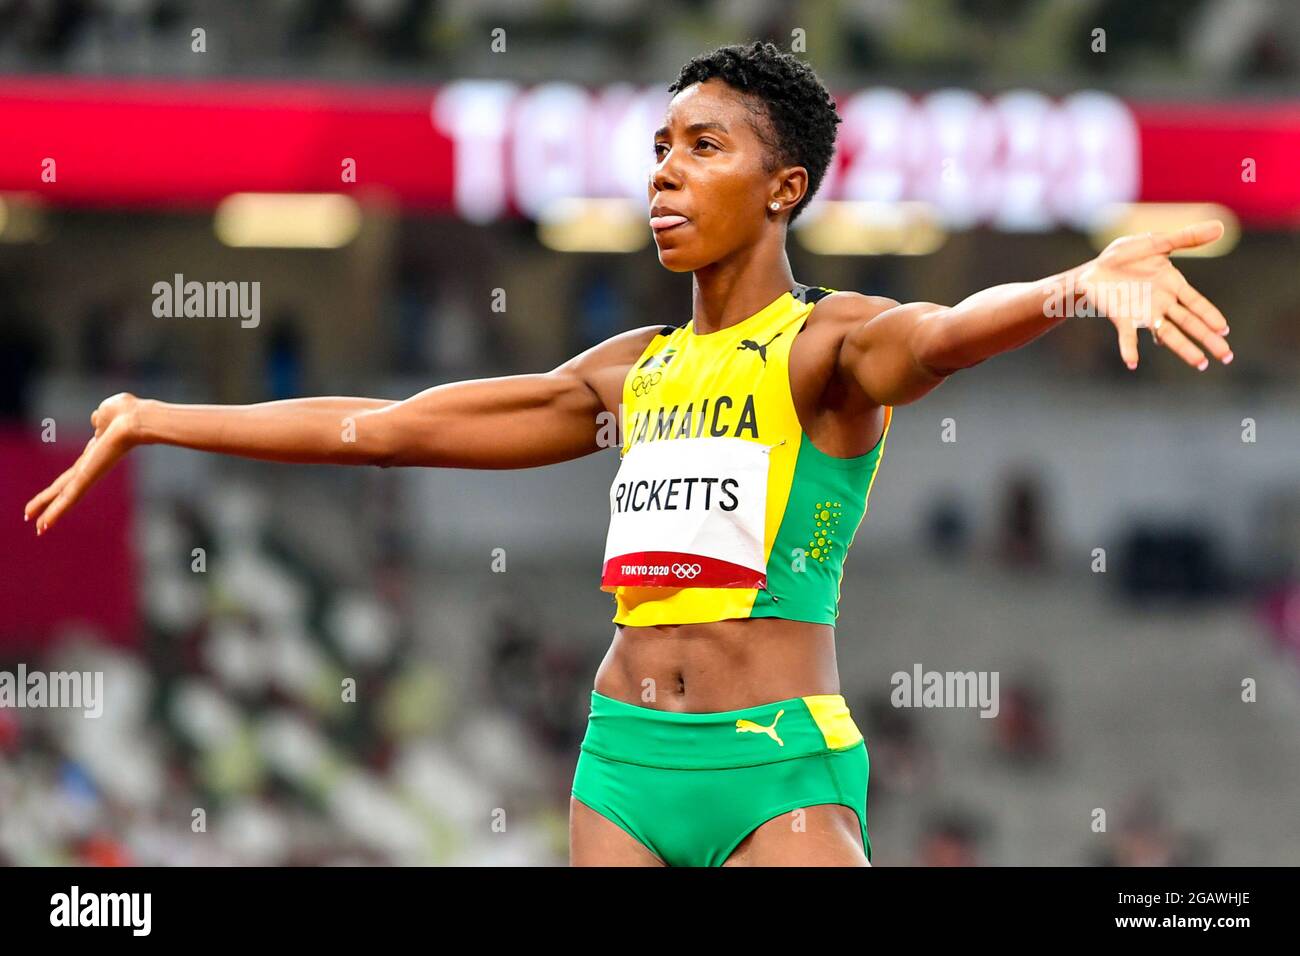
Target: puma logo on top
[(755, 347)]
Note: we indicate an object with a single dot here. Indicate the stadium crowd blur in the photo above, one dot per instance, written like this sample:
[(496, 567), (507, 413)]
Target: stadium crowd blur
[(1163, 41), (292, 700)]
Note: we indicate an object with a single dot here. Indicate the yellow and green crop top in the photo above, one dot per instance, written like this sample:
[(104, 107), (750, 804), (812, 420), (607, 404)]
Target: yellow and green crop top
[(722, 507)]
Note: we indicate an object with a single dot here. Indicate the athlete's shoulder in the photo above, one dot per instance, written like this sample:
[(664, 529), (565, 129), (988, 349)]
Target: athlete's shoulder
[(635, 341), (617, 353), (604, 367), (837, 307), (642, 336)]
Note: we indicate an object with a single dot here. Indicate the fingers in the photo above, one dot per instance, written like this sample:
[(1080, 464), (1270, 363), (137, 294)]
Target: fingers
[(1172, 338), (1196, 316), (1182, 319), (110, 442), (1128, 343), (1178, 329), (33, 508), (38, 504), (1163, 243), (1201, 307), (1189, 237), (97, 459), (67, 495), (1195, 329)]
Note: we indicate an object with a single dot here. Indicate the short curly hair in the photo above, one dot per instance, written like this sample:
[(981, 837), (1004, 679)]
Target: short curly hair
[(801, 113)]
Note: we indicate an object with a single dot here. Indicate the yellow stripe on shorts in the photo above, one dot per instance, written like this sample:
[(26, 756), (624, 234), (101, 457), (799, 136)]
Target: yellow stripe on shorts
[(833, 720)]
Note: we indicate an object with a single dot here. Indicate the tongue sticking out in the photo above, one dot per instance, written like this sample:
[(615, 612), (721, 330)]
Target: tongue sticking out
[(666, 222)]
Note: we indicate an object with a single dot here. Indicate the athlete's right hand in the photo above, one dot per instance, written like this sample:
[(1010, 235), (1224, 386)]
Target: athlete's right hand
[(116, 423)]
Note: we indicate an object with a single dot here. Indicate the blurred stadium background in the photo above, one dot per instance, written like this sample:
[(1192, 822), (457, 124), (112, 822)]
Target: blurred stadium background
[(483, 166)]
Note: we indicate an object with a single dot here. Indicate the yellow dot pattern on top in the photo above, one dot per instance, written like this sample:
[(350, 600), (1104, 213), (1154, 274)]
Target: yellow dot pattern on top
[(825, 520)]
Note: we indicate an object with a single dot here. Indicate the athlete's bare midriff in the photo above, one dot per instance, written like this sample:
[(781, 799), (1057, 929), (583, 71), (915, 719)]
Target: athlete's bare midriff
[(724, 665)]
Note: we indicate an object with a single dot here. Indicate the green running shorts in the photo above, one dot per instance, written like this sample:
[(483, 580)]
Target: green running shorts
[(691, 787)]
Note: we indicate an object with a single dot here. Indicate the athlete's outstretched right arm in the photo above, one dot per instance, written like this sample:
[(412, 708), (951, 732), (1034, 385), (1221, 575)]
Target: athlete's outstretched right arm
[(516, 421)]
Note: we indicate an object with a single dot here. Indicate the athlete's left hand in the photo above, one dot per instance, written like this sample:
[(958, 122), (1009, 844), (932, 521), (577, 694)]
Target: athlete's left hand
[(1134, 284)]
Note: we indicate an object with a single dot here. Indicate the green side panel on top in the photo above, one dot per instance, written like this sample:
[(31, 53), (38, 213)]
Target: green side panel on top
[(828, 499)]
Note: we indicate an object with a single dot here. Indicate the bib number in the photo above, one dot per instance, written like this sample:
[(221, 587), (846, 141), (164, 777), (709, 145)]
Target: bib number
[(688, 512)]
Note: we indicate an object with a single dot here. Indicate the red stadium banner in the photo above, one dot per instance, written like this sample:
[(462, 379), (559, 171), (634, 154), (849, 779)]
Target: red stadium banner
[(180, 144), (486, 149), (1243, 156)]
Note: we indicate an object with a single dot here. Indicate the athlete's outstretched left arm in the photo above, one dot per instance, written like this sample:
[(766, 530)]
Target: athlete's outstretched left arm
[(897, 353)]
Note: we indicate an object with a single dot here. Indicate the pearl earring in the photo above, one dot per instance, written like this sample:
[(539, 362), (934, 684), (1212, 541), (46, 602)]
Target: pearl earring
[(775, 206)]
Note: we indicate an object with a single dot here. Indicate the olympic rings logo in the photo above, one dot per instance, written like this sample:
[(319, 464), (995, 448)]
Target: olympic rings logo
[(643, 383), (688, 571)]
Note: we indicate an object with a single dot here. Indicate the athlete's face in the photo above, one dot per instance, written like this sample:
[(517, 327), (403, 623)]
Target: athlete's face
[(710, 186)]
